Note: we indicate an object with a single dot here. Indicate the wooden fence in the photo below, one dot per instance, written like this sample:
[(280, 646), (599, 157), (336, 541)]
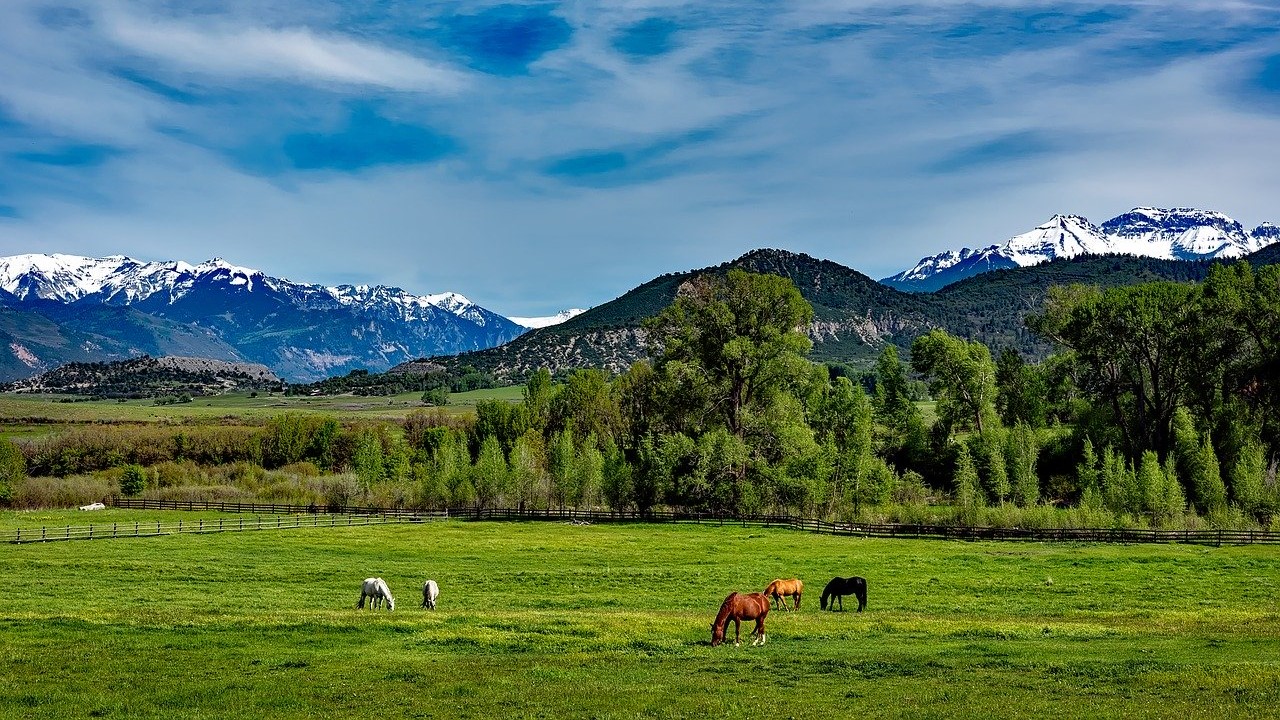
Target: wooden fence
[(107, 531), (333, 516)]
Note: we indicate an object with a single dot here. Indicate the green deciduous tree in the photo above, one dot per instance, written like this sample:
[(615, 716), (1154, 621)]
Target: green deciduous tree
[(489, 475), (962, 379), (968, 489), (734, 340), (13, 468)]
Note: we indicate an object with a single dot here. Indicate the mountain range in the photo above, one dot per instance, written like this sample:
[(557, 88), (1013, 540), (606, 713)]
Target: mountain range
[(57, 309), (66, 308), (1170, 234)]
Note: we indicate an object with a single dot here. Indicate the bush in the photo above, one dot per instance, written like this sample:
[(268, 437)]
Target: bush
[(13, 469), (133, 480), (50, 492)]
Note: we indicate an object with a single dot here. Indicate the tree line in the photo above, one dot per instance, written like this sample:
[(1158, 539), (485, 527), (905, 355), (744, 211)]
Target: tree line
[(1158, 408)]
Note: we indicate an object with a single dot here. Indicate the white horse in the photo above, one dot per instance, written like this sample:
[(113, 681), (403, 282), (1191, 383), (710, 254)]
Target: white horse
[(375, 588), (430, 591)]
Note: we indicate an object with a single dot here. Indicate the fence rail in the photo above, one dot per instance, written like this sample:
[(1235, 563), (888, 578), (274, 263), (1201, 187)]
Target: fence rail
[(274, 508), (107, 531), (334, 516)]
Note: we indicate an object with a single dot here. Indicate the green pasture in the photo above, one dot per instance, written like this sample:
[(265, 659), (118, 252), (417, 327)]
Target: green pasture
[(555, 620), (27, 414)]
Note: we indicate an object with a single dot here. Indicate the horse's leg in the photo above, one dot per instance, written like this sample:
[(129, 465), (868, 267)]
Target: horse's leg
[(737, 632)]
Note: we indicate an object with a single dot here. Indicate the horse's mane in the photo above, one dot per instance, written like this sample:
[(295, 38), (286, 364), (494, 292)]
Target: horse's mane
[(725, 608)]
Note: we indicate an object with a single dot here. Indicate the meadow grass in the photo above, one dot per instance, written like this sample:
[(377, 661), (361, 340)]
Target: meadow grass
[(16, 410), (554, 620)]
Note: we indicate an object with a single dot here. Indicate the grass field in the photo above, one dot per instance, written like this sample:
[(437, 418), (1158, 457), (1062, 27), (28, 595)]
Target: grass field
[(552, 620), (16, 410)]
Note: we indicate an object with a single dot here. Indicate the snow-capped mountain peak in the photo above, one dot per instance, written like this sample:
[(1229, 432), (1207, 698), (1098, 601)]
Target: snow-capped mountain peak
[(1169, 233), (547, 321), (1061, 236)]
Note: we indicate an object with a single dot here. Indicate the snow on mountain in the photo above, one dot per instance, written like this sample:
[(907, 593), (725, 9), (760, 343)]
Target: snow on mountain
[(301, 331), (120, 280), (65, 278), (541, 322), (1173, 234)]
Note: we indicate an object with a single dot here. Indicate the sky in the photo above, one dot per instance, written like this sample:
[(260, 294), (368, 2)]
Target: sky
[(542, 156)]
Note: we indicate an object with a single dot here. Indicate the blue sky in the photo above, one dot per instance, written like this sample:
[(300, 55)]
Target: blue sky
[(538, 156)]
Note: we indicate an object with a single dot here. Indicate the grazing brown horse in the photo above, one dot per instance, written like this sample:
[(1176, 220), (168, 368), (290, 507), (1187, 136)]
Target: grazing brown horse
[(738, 607), (779, 590)]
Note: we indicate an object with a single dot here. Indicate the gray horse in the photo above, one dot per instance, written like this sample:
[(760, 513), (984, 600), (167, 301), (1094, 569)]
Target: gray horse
[(375, 588), (430, 591)]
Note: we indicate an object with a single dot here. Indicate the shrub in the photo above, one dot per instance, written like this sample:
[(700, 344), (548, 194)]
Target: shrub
[(50, 492), (13, 468), (133, 480)]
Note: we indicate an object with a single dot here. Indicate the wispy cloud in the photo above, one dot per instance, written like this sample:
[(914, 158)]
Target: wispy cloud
[(291, 53), (521, 152)]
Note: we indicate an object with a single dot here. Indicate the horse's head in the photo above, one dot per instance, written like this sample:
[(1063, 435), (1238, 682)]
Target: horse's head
[(717, 635), (391, 603)]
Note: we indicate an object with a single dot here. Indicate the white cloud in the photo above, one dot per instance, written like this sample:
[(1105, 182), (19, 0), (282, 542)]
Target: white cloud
[(297, 53)]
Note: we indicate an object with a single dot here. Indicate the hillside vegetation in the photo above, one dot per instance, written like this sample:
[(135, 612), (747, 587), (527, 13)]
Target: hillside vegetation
[(148, 377)]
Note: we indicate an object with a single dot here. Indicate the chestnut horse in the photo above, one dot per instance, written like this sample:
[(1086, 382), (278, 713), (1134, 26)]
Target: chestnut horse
[(738, 607), (779, 590)]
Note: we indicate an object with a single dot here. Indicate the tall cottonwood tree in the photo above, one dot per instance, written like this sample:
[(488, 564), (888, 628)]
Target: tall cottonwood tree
[(962, 378), (733, 340)]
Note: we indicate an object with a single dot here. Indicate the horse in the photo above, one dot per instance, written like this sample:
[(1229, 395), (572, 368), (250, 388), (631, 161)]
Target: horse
[(430, 591), (779, 590), (738, 607), (839, 587), (375, 588)]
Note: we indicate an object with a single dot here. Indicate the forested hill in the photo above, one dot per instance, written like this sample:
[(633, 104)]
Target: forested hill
[(854, 316), (146, 377), (991, 307)]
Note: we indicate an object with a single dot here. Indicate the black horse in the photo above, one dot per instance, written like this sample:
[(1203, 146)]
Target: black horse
[(839, 587)]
